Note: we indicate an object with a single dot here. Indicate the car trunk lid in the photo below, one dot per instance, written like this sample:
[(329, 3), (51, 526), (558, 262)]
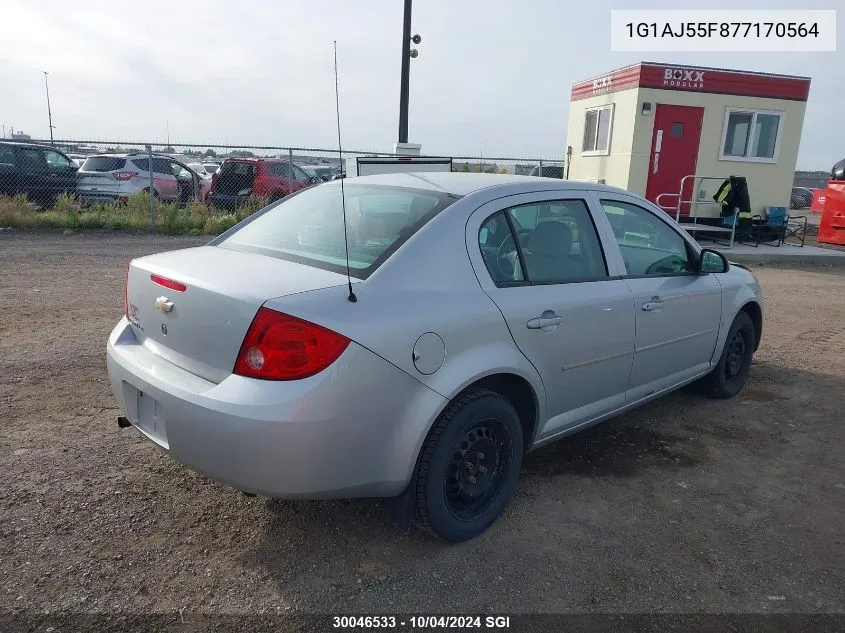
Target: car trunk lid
[(96, 181), (194, 306), (97, 173)]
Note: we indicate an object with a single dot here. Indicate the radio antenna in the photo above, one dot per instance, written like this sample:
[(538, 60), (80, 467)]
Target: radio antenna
[(352, 298)]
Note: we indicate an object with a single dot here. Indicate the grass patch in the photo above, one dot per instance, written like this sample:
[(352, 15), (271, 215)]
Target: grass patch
[(133, 215)]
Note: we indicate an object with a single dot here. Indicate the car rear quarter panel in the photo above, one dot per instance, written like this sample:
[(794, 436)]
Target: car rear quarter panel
[(426, 286)]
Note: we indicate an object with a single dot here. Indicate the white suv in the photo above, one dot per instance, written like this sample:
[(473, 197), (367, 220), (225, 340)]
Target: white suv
[(115, 177)]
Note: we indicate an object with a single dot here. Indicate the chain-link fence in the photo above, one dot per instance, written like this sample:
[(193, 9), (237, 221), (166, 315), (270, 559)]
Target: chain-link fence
[(97, 171)]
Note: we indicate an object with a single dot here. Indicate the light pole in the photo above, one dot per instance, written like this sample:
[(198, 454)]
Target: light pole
[(49, 113), (407, 54)]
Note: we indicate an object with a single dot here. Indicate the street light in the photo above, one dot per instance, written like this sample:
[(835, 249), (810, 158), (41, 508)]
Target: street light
[(407, 54), (49, 113)]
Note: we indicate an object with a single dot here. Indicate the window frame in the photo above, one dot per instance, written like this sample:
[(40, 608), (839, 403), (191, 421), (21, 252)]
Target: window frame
[(527, 281), (598, 152), (752, 135), (692, 249)]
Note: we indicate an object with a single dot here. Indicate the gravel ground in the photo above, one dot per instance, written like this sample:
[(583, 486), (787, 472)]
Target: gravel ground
[(687, 505)]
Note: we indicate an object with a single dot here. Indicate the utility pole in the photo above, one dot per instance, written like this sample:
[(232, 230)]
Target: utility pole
[(406, 70), (49, 113)]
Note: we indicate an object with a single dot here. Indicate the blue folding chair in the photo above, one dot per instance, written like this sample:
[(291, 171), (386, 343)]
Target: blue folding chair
[(773, 228), (743, 228)]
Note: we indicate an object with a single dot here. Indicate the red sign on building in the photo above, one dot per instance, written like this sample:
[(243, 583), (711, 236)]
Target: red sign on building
[(695, 79)]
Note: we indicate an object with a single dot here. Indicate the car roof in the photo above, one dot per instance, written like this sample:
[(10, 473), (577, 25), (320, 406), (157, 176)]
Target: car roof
[(462, 184), (133, 155), (28, 144)]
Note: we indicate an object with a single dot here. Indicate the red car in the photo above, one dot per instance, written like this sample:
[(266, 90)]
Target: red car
[(240, 179)]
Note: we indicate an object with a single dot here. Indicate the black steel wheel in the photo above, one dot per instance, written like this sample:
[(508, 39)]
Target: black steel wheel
[(469, 465), (734, 356), (730, 373), (479, 463)]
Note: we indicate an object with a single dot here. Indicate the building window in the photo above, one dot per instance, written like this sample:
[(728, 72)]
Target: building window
[(598, 123), (751, 135)]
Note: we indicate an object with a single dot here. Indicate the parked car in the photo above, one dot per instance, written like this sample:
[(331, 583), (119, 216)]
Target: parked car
[(211, 168), (323, 172), (198, 168), (479, 316), (800, 198), (115, 177), (548, 171), (40, 172), (240, 179)]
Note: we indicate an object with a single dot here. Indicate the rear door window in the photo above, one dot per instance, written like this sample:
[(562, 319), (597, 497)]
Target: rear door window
[(162, 166), (556, 242), (31, 159), (278, 169)]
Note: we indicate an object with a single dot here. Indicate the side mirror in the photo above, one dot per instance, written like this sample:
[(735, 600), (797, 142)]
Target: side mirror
[(712, 261)]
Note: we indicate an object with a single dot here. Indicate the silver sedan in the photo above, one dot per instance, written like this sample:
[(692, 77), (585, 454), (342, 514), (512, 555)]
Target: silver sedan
[(413, 335)]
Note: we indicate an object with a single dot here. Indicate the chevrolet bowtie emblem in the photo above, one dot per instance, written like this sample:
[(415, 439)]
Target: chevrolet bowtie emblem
[(163, 304)]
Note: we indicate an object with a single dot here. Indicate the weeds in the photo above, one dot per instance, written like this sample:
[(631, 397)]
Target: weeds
[(133, 215)]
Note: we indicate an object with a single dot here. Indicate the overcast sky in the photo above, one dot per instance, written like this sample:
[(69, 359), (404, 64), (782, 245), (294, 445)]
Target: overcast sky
[(492, 75)]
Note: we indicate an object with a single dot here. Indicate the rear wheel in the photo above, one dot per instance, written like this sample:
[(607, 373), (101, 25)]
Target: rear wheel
[(730, 373), (469, 466)]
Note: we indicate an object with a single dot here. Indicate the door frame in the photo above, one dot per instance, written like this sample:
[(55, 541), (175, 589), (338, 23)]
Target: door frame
[(684, 208), (552, 424), (692, 247)]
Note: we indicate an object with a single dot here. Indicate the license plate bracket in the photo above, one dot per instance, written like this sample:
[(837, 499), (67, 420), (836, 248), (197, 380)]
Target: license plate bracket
[(146, 414)]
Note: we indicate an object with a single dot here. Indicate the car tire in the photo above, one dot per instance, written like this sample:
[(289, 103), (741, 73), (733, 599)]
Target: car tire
[(730, 373), (468, 467)]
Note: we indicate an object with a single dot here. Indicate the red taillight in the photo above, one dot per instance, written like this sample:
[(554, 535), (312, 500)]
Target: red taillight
[(281, 347), (126, 292), (124, 175), (178, 286)]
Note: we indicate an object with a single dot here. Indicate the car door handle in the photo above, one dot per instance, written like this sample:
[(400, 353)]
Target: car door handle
[(538, 323), (655, 304)]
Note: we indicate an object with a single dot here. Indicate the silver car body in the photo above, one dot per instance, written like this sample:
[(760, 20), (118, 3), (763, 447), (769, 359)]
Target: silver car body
[(427, 324), (111, 177)]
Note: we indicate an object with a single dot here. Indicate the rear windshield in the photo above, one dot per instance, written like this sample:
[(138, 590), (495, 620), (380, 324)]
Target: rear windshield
[(103, 163), (308, 227)]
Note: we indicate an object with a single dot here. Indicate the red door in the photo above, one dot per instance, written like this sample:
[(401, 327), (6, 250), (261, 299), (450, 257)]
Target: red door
[(674, 153)]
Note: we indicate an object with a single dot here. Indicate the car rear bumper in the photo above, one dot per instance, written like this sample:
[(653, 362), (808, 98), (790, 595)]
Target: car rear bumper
[(353, 430), (228, 201), (89, 197)]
